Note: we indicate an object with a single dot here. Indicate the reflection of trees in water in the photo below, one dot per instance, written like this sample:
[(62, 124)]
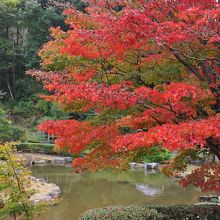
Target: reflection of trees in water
[(63, 177), (116, 186), (66, 178), (133, 177), (81, 192)]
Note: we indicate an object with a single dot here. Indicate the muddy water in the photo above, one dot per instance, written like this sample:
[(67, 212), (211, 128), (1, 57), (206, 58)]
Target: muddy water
[(81, 192)]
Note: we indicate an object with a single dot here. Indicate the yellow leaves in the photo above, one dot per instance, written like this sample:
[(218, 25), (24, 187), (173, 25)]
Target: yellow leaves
[(9, 3), (83, 20), (208, 110), (15, 184), (76, 106), (51, 51)]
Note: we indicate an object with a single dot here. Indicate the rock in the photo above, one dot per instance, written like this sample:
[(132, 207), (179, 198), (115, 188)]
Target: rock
[(40, 162), (54, 187), (32, 178), (54, 194), (144, 165), (59, 160), (151, 165), (68, 159), (44, 192), (44, 159), (139, 165), (132, 164), (42, 180), (38, 197), (136, 165)]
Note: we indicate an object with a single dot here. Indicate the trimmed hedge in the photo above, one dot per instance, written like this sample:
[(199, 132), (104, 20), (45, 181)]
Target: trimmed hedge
[(35, 148), (190, 212), (177, 212), (122, 212), (42, 148)]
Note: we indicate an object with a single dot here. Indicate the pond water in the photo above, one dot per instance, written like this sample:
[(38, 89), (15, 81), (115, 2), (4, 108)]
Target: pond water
[(81, 192)]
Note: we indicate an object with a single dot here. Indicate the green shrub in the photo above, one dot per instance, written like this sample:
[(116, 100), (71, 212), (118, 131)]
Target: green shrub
[(14, 188), (120, 212), (187, 212), (154, 154), (8, 132), (157, 155), (35, 148), (177, 212), (40, 148)]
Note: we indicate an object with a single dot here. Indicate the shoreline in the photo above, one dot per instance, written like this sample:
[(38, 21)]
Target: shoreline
[(45, 159)]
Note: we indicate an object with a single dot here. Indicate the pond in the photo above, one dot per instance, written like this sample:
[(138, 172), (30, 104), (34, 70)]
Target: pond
[(81, 192)]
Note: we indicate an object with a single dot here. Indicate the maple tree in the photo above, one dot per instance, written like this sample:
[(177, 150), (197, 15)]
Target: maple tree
[(150, 67)]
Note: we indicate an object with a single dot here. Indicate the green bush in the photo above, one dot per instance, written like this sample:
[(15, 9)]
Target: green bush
[(36, 148), (178, 212), (187, 212), (40, 148), (8, 132), (14, 191), (120, 212), (157, 155), (154, 154)]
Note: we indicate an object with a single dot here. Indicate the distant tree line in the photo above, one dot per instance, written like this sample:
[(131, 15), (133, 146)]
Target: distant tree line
[(25, 27)]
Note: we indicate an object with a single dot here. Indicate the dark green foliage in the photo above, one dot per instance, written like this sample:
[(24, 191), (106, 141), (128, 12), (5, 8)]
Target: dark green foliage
[(195, 212), (157, 154), (25, 27), (80, 5), (40, 148), (7, 131), (30, 111), (120, 212), (11, 57), (181, 212), (35, 148), (15, 189), (154, 154), (38, 31)]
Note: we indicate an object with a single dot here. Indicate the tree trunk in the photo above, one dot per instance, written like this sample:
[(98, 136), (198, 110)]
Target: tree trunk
[(214, 147), (10, 91)]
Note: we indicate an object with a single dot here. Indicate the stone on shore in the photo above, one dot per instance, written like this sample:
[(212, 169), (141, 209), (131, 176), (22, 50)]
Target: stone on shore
[(144, 165), (45, 192), (43, 159)]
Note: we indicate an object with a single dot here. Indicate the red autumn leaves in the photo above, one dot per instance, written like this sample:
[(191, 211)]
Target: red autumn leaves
[(103, 60)]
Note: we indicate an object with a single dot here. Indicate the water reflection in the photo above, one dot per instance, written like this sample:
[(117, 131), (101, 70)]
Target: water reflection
[(81, 192), (149, 191)]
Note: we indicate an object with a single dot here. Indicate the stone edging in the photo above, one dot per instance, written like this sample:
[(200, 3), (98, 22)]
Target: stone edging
[(45, 192)]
